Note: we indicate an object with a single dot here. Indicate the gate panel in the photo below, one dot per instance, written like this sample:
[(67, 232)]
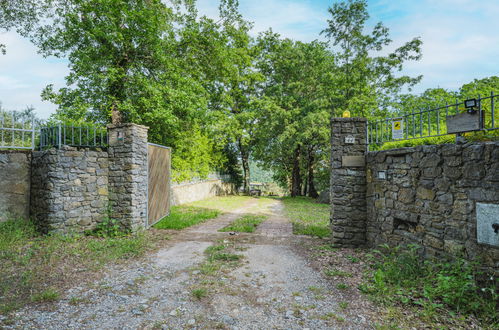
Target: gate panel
[(159, 158)]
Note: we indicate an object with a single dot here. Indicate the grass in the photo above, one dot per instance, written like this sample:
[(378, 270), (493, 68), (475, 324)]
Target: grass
[(32, 264), (246, 224), (219, 261), (184, 216), (222, 203), (308, 217), (442, 291), (337, 273), (199, 293)]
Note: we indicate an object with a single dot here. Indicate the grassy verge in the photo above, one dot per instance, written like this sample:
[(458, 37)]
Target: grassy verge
[(246, 224), (308, 217), (223, 203), (184, 216), (36, 268), (440, 292)]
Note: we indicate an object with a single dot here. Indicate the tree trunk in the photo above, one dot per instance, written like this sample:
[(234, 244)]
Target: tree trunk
[(295, 177), (246, 170), (310, 180)]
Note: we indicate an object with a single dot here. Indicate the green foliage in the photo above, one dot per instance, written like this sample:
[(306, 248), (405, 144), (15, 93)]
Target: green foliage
[(401, 276), (246, 224), (199, 293), (49, 294), (308, 217), (184, 216), (107, 228)]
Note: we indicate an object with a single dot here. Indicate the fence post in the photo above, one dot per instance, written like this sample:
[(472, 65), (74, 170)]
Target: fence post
[(348, 181), (128, 167)]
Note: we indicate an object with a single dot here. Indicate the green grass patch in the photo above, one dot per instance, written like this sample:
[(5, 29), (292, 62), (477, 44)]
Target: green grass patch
[(308, 217), (337, 273), (25, 255), (445, 290), (49, 294), (184, 216), (222, 203), (199, 293), (246, 224)]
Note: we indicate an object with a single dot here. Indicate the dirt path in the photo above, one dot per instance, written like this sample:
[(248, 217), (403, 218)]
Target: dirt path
[(273, 288)]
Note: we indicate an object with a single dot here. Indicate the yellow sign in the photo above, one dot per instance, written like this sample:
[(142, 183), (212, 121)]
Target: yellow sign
[(346, 114), (397, 129)]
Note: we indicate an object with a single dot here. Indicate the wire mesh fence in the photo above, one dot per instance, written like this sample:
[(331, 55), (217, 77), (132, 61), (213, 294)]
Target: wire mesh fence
[(432, 122), (17, 131)]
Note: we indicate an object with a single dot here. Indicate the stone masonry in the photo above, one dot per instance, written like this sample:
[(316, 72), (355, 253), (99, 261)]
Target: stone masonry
[(348, 181), (15, 172), (69, 188), (128, 175), (427, 195)]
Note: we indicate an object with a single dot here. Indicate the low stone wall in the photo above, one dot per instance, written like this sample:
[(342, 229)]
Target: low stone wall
[(191, 192), (15, 173), (427, 195), (69, 190)]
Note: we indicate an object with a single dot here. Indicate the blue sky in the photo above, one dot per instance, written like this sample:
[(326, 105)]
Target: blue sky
[(460, 42)]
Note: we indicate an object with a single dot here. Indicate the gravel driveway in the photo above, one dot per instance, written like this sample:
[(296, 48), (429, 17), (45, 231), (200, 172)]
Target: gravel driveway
[(273, 287)]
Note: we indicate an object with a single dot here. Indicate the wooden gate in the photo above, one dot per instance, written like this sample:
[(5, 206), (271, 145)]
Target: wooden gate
[(159, 158)]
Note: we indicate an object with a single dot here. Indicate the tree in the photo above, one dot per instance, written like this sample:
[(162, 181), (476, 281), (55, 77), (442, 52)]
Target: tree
[(142, 61), (362, 82), (291, 125)]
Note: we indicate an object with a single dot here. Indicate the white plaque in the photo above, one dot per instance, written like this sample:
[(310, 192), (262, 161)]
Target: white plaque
[(349, 139), (397, 128), (487, 222)]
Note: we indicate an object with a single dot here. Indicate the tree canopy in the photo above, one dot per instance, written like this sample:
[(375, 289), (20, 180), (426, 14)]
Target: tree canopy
[(220, 96)]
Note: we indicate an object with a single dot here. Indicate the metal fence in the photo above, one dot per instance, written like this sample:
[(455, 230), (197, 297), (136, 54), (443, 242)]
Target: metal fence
[(17, 131), (430, 122), (76, 136)]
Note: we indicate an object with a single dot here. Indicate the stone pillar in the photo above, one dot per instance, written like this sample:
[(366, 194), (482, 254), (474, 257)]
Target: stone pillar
[(128, 175), (348, 181)]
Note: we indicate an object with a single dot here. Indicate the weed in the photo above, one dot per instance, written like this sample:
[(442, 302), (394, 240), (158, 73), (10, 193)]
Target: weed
[(341, 286), (400, 276), (353, 259), (246, 224), (199, 293), (331, 316), (338, 273), (49, 294), (343, 305), (315, 289)]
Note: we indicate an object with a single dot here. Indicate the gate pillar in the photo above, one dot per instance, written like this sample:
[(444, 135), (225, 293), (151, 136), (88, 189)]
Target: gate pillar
[(348, 181), (128, 175)]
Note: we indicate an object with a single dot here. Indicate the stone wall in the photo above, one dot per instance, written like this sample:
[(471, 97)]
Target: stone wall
[(191, 192), (69, 188), (15, 172), (427, 195)]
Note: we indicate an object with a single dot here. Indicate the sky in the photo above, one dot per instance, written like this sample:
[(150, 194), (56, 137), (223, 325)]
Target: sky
[(460, 42)]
